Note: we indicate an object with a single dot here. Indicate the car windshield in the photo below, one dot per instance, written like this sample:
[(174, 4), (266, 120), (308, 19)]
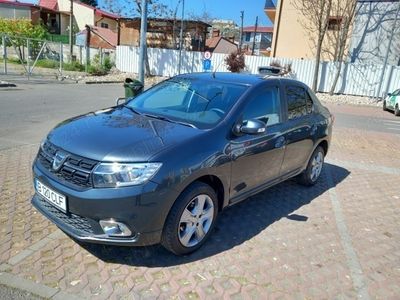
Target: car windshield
[(193, 102)]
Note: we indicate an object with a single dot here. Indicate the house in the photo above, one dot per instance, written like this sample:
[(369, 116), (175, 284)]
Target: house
[(55, 14), (19, 10), (291, 38), (373, 26), (219, 44), (164, 33), (261, 37)]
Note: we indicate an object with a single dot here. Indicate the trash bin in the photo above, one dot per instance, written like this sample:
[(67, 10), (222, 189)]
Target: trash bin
[(132, 87)]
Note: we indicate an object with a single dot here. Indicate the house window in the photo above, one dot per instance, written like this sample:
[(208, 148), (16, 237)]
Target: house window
[(247, 36), (334, 23), (103, 25)]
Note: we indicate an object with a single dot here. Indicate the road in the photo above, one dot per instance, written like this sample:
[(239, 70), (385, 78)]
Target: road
[(29, 111), (366, 118)]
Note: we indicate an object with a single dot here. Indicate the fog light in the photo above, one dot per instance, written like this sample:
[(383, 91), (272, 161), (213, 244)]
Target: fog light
[(114, 228)]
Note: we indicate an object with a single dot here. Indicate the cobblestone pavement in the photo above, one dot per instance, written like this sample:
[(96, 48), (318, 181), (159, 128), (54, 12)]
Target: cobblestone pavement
[(339, 239)]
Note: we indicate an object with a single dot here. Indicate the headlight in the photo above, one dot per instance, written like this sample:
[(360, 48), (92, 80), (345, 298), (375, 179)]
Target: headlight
[(116, 175)]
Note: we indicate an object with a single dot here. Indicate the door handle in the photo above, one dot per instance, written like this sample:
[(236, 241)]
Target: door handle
[(280, 142)]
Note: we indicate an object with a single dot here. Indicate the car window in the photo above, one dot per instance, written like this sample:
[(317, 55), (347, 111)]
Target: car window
[(264, 106), (299, 102)]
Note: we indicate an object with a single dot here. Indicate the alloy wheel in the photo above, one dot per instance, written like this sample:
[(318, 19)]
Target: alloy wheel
[(196, 220), (317, 163)]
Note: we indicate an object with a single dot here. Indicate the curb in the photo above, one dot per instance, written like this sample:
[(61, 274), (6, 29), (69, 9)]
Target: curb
[(104, 82)]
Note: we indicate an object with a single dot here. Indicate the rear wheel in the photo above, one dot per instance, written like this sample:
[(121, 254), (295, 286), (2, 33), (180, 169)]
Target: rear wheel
[(314, 168), (191, 219), (397, 110)]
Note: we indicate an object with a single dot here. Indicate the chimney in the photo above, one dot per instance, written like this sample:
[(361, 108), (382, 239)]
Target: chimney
[(215, 33)]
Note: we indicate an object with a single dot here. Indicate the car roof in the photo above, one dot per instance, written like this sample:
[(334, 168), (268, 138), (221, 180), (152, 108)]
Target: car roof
[(236, 78), (226, 77)]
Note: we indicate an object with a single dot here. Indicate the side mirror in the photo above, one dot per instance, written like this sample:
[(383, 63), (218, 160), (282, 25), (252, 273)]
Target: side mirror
[(120, 100), (389, 94), (253, 126)]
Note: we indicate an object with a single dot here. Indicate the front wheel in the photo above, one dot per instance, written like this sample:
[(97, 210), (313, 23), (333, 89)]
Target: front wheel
[(384, 105), (191, 219), (314, 167), (397, 110)]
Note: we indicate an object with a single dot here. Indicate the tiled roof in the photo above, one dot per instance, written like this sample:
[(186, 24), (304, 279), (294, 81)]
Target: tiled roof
[(50, 4), (16, 3), (259, 29), (213, 42), (106, 34)]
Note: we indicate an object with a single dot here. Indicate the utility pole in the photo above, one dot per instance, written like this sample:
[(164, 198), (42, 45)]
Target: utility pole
[(254, 37), (181, 38), (387, 52), (241, 31), (143, 41), (71, 31)]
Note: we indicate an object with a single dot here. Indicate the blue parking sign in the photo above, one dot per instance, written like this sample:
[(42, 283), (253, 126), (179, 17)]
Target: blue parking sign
[(207, 64)]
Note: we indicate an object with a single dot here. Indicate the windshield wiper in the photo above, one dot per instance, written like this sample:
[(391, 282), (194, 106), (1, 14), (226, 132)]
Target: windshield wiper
[(169, 120), (132, 109)]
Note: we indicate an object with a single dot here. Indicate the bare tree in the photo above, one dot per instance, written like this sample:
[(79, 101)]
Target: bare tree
[(316, 15), (338, 37)]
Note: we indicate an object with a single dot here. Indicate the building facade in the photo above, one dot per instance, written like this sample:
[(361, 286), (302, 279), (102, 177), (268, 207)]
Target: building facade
[(373, 27), (260, 37)]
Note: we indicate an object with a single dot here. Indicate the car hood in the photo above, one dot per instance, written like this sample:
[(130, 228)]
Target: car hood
[(118, 134)]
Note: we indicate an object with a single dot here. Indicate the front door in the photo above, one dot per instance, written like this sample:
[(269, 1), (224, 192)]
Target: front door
[(257, 159)]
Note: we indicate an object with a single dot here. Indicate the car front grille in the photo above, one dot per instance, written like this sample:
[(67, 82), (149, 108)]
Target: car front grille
[(77, 222), (75, 170)]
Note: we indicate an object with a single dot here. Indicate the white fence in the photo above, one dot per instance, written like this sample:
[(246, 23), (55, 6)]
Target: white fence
[(355, 79)]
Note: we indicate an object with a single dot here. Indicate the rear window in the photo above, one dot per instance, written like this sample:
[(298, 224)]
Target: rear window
[(299, 102)]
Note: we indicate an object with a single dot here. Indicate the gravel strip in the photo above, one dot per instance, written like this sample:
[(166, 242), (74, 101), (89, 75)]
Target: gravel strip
[(349, 99)]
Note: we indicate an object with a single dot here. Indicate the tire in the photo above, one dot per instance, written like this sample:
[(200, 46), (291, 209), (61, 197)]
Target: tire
[(384, 106), (189, 222), (314, 168), (397, 110)]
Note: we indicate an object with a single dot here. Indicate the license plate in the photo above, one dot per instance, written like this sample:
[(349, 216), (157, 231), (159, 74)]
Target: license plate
[(56, 199)]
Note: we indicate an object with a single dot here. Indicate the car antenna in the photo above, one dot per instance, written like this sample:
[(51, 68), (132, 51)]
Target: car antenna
[(213, 74)]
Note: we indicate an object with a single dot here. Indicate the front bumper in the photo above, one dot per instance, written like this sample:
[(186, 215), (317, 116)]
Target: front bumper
[(142, 208)]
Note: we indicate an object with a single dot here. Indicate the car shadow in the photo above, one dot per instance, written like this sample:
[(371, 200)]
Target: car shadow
[(236, 224)]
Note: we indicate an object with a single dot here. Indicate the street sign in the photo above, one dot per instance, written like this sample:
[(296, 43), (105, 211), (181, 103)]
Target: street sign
[(207, 64), (207, 55)]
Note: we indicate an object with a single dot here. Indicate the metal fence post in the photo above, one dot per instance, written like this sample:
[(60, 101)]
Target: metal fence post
[(61, 58), (4, 53), (27, 58)]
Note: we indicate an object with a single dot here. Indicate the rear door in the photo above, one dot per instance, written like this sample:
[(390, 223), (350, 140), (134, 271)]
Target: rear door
[(299, 129), (257, 159)]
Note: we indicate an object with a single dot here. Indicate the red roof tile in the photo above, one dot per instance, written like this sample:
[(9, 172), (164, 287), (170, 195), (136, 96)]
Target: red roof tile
[(50, 4), (259, 29), (106, 34), (16, 3)]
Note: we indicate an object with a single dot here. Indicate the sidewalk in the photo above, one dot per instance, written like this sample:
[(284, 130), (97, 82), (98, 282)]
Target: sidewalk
[(339, 239)]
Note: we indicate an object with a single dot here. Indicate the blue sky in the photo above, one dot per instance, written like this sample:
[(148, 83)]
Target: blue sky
[(224, 9)]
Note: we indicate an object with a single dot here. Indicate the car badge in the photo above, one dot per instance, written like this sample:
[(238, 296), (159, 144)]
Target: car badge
[(59, 160)]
